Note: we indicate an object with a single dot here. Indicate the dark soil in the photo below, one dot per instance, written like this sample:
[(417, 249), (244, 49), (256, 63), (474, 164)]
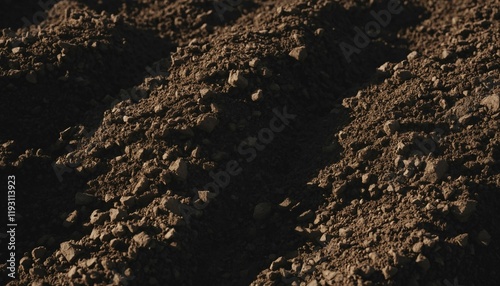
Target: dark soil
[(242, 143)]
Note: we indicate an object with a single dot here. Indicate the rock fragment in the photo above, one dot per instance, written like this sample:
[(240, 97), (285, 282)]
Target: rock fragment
[(339, 190), (423, 262), (254, 62), (117, 214), (492, 102), (391, 127), (389, 271), (17, 50), (142, 239), (141, 186), (462, 239), (298, 53), (170, 234), (237, 79), (128, 201), (69, 251), (119, 230), (345, 232), (72, 273), (306, 216), (171, 204), (98, 217), (411, 56), (417, 247), (435, 170), (206, 93), (207, 122), (257, 95), (71, 219), (280, 262), (179, 168)]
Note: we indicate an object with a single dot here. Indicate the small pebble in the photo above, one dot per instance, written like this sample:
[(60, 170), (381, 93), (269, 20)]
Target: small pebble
[(237, 79), (257, 95), (299, 53)]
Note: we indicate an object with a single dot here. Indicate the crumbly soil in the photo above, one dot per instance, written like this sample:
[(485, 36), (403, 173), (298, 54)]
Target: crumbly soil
[(175, 143)]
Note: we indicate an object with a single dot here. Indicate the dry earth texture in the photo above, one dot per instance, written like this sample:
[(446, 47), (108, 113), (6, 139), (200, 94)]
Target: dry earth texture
[(238, 142)]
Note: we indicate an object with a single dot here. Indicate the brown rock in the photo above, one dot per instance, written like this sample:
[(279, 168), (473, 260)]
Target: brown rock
[(462, 239), (69, 251), (117, 214), (98, 217), (142, 239), (71, 219), (435, 170), (491, 102), (207, 122), (237, 79), (141, 186), (391, 127), (298, 53), (257, 95), (389, 271), (305, 216), (280, 262), (179, 168)]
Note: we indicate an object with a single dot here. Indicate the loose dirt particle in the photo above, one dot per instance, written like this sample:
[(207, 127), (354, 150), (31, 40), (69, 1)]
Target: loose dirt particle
[(237, 79), (258, 95), (207, 122), (435, 170), (69, 251), (491, 102), (142, 239), (389, 271), (180, 169), (298, 53), (391, 127)]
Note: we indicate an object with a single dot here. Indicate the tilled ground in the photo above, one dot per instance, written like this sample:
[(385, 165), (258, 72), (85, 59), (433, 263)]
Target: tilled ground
[(252, 142)]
